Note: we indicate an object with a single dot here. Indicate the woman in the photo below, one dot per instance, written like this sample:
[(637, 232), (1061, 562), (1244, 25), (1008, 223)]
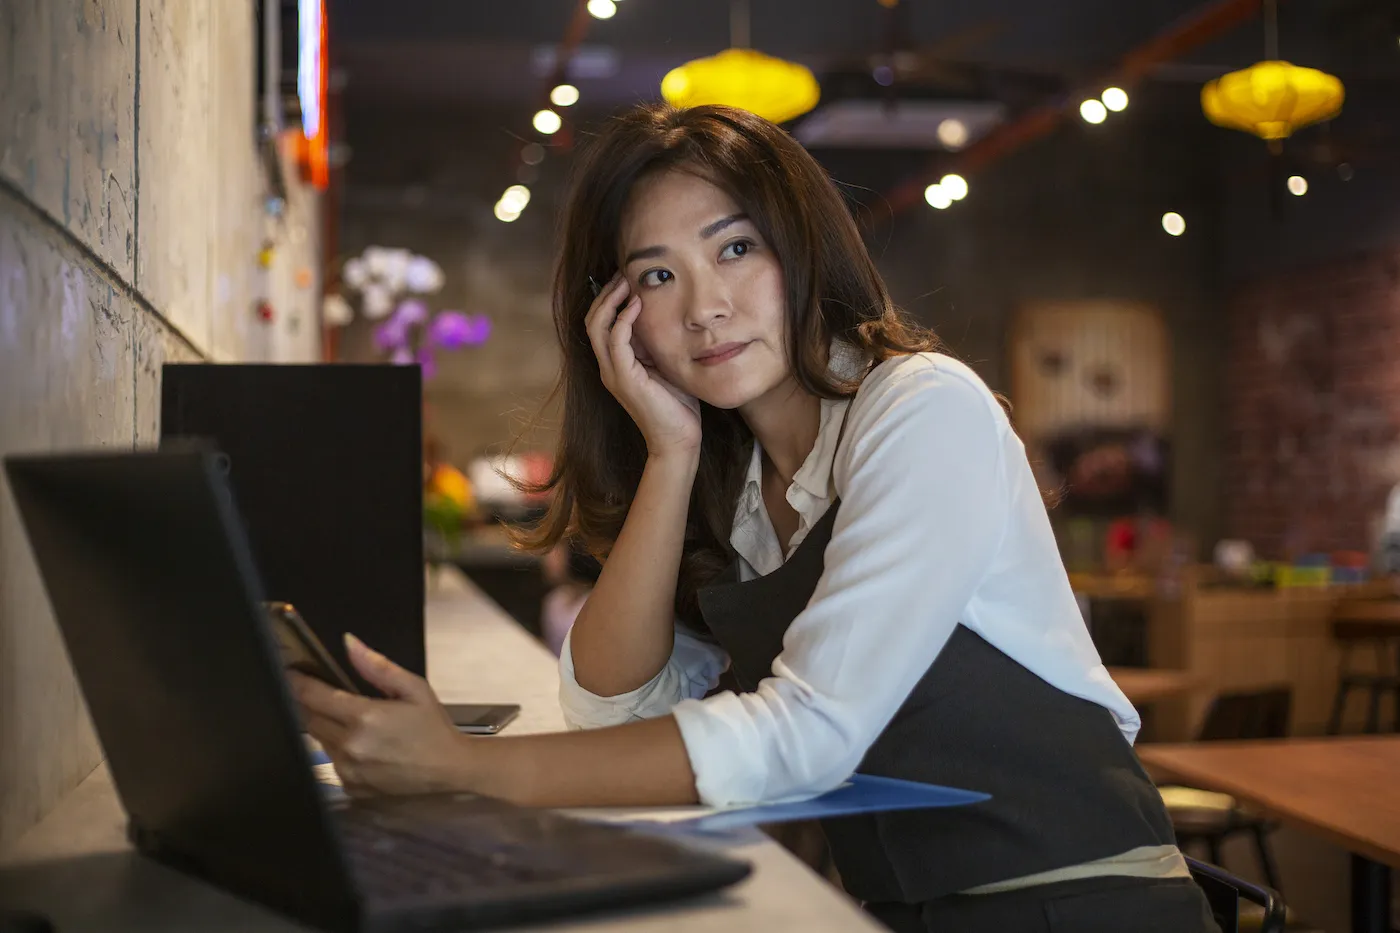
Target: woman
[(788, 482)]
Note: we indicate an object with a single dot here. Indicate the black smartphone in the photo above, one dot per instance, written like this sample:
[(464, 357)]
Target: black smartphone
[(301, 650), (482, 718)]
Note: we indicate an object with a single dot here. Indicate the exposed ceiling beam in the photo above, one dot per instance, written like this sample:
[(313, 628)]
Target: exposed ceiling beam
[(1195, 29)]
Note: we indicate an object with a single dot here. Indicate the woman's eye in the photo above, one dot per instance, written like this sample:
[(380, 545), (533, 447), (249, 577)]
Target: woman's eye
[(736, 249), (656, 277)]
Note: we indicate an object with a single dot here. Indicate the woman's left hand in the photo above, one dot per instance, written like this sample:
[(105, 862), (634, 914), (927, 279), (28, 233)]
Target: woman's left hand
[(405, 744)]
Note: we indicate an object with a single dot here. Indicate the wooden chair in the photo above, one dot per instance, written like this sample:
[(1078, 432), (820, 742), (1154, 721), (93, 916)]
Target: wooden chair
[(1384, 639), (1210, 818)]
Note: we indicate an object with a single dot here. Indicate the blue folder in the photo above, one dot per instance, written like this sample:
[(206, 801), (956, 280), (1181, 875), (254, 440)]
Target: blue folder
[(861, 793)]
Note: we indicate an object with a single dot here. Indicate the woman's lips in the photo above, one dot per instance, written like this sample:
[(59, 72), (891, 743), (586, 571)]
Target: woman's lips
[(721, 354)]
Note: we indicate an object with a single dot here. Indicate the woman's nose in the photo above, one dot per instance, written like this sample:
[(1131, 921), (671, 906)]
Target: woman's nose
[(709, 304)]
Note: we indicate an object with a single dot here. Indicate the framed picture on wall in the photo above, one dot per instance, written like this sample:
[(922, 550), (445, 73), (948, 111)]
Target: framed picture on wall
[(1091, 393)]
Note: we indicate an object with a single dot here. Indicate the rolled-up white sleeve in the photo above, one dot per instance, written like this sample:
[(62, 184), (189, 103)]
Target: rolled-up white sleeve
[(924, 504), (692, 671)]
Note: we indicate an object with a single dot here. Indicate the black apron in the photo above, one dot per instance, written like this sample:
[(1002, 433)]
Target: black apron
[(1066, 786)]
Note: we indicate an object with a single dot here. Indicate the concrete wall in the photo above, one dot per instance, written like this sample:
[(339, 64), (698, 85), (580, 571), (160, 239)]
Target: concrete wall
[(131, 214)]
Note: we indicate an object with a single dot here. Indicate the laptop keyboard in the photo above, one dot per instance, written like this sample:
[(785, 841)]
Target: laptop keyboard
[(394, 864)]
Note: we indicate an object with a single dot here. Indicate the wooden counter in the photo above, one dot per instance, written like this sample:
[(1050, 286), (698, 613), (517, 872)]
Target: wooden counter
[(1238, 638)]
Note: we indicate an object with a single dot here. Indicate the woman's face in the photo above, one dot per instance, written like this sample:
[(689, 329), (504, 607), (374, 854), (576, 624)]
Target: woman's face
[(712, 291)]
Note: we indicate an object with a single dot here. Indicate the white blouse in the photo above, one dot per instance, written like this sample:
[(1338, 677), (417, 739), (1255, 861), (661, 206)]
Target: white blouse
[(941, 523)]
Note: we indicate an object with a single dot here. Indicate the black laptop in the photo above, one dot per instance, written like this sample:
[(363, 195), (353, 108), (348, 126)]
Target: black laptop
[(151, 580)]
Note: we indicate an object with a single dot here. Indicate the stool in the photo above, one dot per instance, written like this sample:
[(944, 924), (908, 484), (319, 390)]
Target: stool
[(1384, 637)]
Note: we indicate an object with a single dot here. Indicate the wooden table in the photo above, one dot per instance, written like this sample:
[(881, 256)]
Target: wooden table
[(1346, 790), (1383, 611), (76, 866), (1144, 685)]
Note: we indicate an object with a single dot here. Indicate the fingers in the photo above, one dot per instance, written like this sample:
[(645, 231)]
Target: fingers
[(599, 322), (326, 701), (621, 345), (328, 732), (385, 674)]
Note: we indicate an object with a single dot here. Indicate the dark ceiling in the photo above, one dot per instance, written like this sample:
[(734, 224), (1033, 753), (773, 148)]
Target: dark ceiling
[(472, 54)]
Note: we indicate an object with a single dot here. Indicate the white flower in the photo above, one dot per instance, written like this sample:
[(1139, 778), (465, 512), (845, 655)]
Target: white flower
[(423, 275), (378, 301), (354, 273), (336, 311)]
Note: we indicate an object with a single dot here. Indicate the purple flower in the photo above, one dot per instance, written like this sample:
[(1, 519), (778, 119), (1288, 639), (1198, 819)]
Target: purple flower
[(412, 312), (392, 334), (481, 330), (452, 330), (428, 364)]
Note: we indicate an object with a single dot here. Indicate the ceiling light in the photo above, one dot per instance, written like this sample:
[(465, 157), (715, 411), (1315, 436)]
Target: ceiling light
[(1174, 223), (1298, 185), (955, 186), (602, 9), (504, 214), (515, 199), (1093, 112), (774, 89), (1115, 99), (937, 197), (548, 122), (1272, 99), (565, 95), (952, 133)]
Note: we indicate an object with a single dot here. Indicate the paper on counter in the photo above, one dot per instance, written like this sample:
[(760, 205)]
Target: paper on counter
[(863, 793)]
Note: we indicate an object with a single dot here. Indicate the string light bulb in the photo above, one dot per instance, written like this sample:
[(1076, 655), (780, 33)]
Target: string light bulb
[(1093, 111), (1173, 223), (602, 9), (565, 95), (952, 133), (548, 122), (1298, 185), (1115, 99), (955, 186), (515, 199), (937, 197)]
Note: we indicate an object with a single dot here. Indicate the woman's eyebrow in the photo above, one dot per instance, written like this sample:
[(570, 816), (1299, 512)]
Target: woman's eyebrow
[(706, 232)]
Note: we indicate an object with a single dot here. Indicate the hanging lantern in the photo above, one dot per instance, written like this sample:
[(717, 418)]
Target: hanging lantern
[(774, 89), (1271, 99)]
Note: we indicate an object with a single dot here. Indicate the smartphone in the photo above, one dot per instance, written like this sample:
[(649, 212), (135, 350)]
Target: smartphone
[(301, 650), (482, 718)]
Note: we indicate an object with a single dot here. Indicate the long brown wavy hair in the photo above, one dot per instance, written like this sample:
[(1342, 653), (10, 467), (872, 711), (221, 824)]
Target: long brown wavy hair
[(833, 292)]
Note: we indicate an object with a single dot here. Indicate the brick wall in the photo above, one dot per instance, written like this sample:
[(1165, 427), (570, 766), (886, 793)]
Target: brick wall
[(1313, 405)]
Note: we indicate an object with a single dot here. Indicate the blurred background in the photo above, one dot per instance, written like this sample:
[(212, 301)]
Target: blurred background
[(1180, 263), (1237, 364)]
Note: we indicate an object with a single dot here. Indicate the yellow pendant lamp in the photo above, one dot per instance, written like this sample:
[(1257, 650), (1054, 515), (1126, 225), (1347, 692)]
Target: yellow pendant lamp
[(775, 89), (1272, 98)]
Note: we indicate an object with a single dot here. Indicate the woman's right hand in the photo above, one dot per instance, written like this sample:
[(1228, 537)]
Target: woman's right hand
[(668, 418)]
